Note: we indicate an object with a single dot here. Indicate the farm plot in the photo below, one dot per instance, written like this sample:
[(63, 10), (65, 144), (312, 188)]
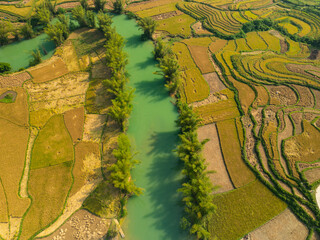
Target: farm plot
[(241, 211), (201, 57), (159, 10), (224, 22), (134, 7), (60, 94), (228, 135), (195, 87), (180, 25)]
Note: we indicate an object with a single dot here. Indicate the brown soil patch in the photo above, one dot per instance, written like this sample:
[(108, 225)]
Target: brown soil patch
[(303, 69), (16, 112), (68, 5), (197, 27), (82, 225), (312, 175), (214, 82), (14, 80), (93, 127), (281, 95), (306, 97), (317, 98), (277, 230), (49, 70), (314, 54), (12, 164), (74, 120), (201, 57), (217, 45), (163, 16), (212, 98), (100, 70), (213, 155), (60, 94)]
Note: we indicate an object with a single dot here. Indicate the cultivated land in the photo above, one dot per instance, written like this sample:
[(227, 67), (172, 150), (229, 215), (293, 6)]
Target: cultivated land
[(257, 92)]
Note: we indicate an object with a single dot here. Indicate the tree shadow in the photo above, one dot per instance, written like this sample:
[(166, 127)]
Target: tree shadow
[(165, 179), (154, 90), (147, 63), (133, 41)]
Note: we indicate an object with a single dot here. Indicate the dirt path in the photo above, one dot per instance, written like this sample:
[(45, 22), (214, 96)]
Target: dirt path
[(24, 181)]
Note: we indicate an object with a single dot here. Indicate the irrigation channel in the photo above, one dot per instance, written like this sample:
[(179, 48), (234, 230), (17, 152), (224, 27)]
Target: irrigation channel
[(18, 54), (155, 214)]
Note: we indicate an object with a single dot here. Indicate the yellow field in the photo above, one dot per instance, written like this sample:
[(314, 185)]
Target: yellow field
[(239, 172), (272, 41), (195, 87), (157, 10), (176, 25), (48, 188), (294, 48), (255, 42)]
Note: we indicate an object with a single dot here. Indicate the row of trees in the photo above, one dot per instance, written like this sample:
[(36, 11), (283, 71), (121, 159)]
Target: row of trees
[(197, 188), (169, 66), (120, 171)]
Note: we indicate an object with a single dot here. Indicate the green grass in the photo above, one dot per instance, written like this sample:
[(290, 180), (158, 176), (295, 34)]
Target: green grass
[(53, 144), (243, 210), (7, 99)]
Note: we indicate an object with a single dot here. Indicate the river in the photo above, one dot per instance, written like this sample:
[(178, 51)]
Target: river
[(18, 54), (155, 214)]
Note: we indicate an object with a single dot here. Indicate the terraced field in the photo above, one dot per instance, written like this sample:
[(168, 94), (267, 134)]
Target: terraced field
[(263, 101)]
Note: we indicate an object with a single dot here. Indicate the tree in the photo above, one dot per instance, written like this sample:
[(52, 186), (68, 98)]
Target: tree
[(5, 67), (84, 4), (169, 68), (79, 13), (116, 83), (27, 31), (120, 175), (161, 50), (5, 28), (148, 25), (121, 108), (57, 32), (99, 4), (118, 6), (188, 120), (36, 58), (104, 20), (91, 21), (43, 15), (50, 6)]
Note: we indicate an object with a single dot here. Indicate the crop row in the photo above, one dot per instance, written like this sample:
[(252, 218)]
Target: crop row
[(225, 22)]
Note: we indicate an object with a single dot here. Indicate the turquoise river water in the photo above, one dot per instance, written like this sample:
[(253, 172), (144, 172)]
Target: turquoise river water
[(155, 214), (18, 54)]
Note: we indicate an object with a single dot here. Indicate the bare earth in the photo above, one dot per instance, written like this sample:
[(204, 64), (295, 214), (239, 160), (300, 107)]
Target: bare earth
[(212, 154), (275, 229)]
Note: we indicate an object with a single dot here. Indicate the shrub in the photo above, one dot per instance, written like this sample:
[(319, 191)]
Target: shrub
[(5, 67)]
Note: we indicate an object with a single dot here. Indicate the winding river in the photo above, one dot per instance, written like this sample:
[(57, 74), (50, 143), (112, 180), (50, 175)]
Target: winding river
[(156, 214), (18, 54)]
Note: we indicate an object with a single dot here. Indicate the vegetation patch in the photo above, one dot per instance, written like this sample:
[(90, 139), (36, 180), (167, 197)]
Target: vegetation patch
[(53, 145), (48, 187), (241, 211), (177, 25)]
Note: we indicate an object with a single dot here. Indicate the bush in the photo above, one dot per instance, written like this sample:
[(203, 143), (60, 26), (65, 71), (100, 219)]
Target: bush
[(5, 67)]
